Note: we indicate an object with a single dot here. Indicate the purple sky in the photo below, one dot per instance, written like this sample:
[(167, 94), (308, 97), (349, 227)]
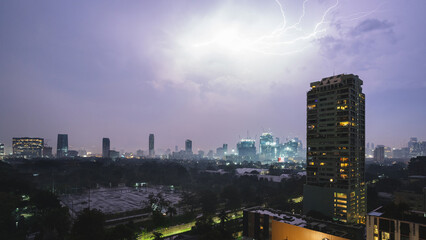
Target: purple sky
[(205, 70)]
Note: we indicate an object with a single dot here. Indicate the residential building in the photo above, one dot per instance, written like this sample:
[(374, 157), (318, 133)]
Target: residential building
[(268, 224), (386, 224), (379, 154), (335, 186)]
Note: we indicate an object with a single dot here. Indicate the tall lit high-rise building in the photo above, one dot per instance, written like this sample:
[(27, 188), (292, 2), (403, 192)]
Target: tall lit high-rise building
[(28, 147), (268, 146), (225, 148), (247, 148), (105, 147), (62, 146), (335, 184), (188, 146), (1, 151), (151, 145)]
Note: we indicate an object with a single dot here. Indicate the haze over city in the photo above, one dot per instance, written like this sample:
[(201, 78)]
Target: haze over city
[(208, 71)]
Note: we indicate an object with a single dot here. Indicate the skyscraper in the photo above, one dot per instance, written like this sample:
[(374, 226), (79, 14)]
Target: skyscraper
[(105, 147), (268, 146), (188, 146), (151, 145), (247, 149), (335, 184), (379, 154), (225, 148), (28, 147), (62, 146), (1, 151)]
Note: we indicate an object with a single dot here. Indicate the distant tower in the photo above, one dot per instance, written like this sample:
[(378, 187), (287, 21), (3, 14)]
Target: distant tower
[(379, 154), (151, 145), (225, 148), (62, 146), (105, 147), (1, 151), (188, 146)]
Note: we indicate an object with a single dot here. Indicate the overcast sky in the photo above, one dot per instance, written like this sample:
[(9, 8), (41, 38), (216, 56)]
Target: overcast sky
[(209, 71)]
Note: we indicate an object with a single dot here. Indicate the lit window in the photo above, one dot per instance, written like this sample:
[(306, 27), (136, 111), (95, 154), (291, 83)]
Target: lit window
[(344, 124), (312, 106), (340, 195)]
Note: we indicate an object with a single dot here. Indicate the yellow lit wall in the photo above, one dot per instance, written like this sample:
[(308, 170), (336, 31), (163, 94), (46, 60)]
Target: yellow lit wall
[(282, 230)]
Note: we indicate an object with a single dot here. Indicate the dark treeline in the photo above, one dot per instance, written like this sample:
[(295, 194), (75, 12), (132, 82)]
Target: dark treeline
[(42, 181)]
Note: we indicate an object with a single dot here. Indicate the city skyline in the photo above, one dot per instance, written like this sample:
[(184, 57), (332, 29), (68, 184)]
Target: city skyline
[(119, 74)]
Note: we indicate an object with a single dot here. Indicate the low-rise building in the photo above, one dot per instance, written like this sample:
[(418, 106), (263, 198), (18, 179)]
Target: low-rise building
[(395, 224), (262, 224)]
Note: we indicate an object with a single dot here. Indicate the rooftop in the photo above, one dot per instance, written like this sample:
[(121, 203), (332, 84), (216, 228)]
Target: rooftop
[(329, 227)]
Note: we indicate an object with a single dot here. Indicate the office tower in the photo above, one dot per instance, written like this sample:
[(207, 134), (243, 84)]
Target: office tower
[(225, 148), (247, 148), (267, 146), (335, 184), (188, 146), (62, 146), (151, 145), (27, 147), (1, 151), (105, 147), (379, 154)]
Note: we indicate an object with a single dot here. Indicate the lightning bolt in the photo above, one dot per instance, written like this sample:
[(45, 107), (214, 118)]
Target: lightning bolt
[(287, 39)]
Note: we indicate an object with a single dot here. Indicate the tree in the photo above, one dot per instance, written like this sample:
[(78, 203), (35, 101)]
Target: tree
[(208, 202), (123, 232), (157, 235), (55, 223), (89, 225), (171, 211), (232, 196), (223, 216)]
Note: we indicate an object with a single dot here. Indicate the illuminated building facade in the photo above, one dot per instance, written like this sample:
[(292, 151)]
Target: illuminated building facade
[(1, 151), (247, 149), (268, 147), (62, 146), (105, 147), (335, 184), (27, 147), (151, 145), (268, 224)]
